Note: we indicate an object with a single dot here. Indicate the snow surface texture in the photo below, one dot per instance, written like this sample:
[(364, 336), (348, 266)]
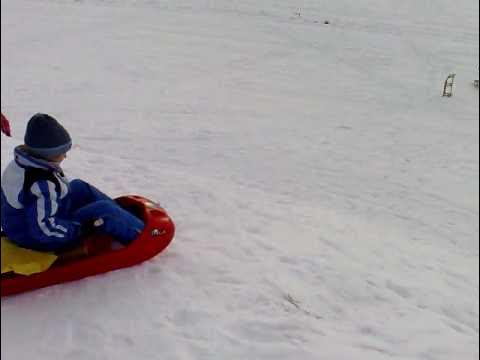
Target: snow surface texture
[(325, 194)]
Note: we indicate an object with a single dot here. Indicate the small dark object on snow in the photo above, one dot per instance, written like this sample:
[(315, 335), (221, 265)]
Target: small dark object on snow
[(326, 22), (448, 85)]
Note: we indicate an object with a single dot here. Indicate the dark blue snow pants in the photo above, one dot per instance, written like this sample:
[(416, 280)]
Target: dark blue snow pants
[(88, 204)]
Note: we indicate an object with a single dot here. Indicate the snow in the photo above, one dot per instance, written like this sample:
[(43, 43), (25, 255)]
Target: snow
[(326, 195)]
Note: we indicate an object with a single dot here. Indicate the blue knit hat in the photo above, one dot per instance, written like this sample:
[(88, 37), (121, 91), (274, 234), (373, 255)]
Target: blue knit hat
[(46, 138)]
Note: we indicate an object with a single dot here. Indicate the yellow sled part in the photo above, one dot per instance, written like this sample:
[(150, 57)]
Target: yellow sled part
[(24, 261)]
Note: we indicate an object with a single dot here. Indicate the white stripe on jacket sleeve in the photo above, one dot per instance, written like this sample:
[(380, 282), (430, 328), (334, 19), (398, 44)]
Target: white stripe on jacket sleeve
[(45, 220)]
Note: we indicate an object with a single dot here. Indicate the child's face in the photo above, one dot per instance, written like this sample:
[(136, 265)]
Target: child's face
[(58, 159)]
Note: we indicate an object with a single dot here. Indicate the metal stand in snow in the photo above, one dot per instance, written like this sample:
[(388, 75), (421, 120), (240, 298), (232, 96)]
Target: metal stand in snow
[(448, 85)]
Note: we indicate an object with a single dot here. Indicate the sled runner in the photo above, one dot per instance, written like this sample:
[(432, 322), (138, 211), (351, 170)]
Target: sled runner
[(101, 257)]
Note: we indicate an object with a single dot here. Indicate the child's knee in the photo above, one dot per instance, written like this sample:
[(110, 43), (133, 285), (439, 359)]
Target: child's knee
[(79, 188), (86, 193), (77, 182)]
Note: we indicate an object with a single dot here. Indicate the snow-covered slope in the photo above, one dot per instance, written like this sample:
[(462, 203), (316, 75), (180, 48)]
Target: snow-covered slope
[(325, 194)]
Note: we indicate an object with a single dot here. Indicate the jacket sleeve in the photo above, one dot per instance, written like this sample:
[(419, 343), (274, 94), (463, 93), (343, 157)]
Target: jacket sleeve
[(44, 225)]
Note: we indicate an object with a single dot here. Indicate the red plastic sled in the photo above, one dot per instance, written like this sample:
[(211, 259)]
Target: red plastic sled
[(156, 236)]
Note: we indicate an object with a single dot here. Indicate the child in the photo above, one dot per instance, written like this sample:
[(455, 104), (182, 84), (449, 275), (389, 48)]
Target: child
[(42, 210)]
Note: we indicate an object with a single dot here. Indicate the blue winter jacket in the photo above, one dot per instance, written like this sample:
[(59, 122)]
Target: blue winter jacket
[(35, 203)]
